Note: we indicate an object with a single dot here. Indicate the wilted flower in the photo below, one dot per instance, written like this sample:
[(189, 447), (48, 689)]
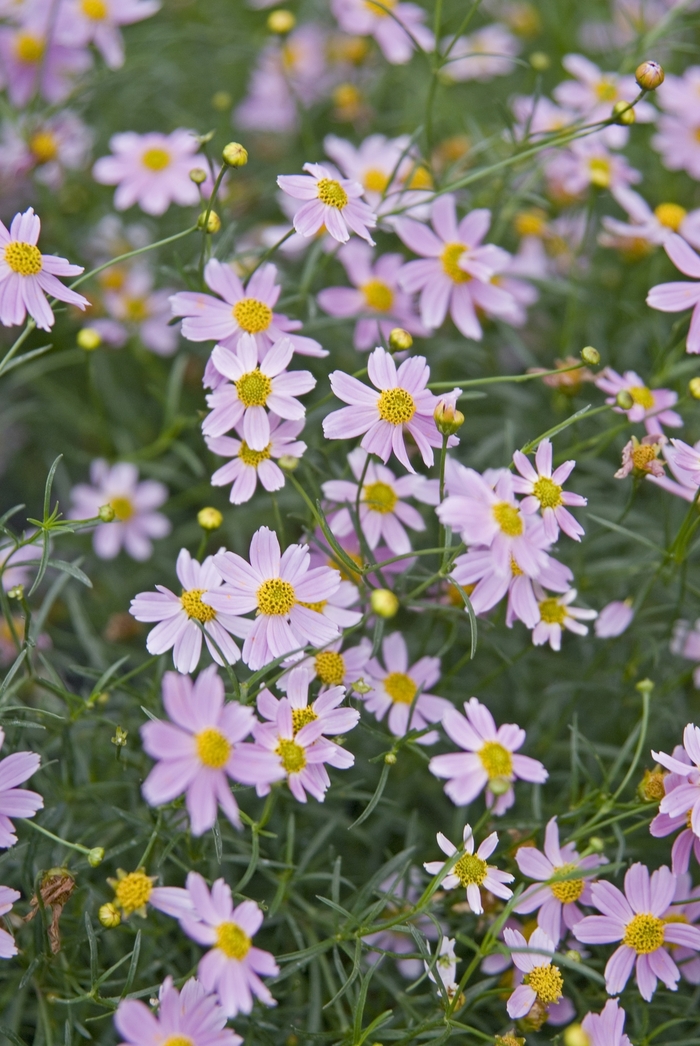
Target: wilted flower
[(642, 459)]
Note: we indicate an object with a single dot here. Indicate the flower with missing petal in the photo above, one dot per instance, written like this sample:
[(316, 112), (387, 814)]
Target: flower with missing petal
[(471, 870), (134, 891), (190, 1017), (331, 201)]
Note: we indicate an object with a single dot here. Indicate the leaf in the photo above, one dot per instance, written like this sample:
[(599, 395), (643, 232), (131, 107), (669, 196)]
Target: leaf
[(71, 569), (626, 533)]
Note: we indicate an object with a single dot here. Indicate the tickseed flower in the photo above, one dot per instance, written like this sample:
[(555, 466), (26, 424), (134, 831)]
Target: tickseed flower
[(135, 521), (445, 966), (27, 275), (332, 202), (332, 667), (489, 760), (685, 909), (137, 309), (83, 22), (402, 405), (283, 592), (390, 172), (544, 491), (683, 797), (471, 870), (34, 62), (382, 513), (190, 1017), (8, 896), (587, 164), (593, 93), (542, 982), (399, 689), (556, 899), (361, 18), (652, 406), (248, 466), (635, 919), (253, 388), (152, 170), (16, 802), (606, 1028), (676, 297), (647, 226), (642, 459), (180, 617), (685, 482), (133, 891), (556, 614), (200, 749), (325, 709)]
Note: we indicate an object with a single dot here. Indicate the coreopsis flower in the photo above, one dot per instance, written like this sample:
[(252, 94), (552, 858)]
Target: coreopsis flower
[(239, 314), (606, 1028), (652, 406), (47, 148), (652, 227), (33, 61), (679, 296), (683, 797), (489, 760), (471, 870), (544, 491), (685, 909), (135, 520), (614, 619), (536, 115), (677, 127), (192, 1015), (325, 709), (15, 769), (331, 202), (200, 749), (233, 966), (556, 614), (152, 170), (542, 982), (389, 171), (134, 891), (27, 275), (382, 510), (97, 22), (253, 388), (586, 163), (248, 466), (182, 619), (456, 271), (135, 307), (482, 55), (396, 26), (445, 966), (8, 896), (402, 405), (642, 458), (635, 919), (685, 482), (282, 590), (399, 689), (332, 667), (556, 899)]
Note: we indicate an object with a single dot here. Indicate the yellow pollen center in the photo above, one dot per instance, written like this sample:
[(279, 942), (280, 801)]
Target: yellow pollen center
[(292, 756), (400, 688), (396, 406), (643, 396), (95, 9), (275, 597), (606, 91), (253, 388), (547, 492), (552, 612), (252, 315), (330, 667), (379, 497), (496, 760), (470, 870), (378, 295), (44, 146), (670, 215), (232, 940), (253, 457), (332, 193), (136, 309), (508, 519), (123, 508), (531, 223), (515, 569), (375, 9), (566, 890), (317, 608), (213, 748), (23, 258), (178, 1040), (449, 258), (643, 455), (29, 48), (133, 891), (644, 933), (302, 716), (375, 180), (547, 982), (600, 172), (156, 159), (195, 608), (420, 179)]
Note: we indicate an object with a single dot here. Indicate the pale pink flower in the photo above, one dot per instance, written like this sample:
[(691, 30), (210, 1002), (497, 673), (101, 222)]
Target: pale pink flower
[(33, 62), (686, 842), (677, 141), (537, 955), (97, 22), (139, 309), (233, 966), (331, 667), (652, 406), (587, 163), (14, 801), (614, 619), (52, 146), (400, 689), (471, 870), (331, 201), (606, 1028), (685, 483), (152, 170), (248, 465), (684, 798), (686, 643), (685, 909), (642, 458), (654, 227), (192, 1015), (482, 55), (385, 21), (544, 491), (490, 759), (183, 619), (388, 169), (325, 709), (445, 966), (538, 115), (557, 614), (679, 296), (8, 896)]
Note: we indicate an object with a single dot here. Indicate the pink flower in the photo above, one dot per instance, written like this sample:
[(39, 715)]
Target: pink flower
[(26, 275), (557, 614), (324, 709), (586, 163), (248, 465), (200, 749), (482, 55), (677, 141), (331, 667), (642, 458), (138, 308), (676, 297), (471, 870), (685, 484), (652, 406), (233, 965), (184, 618), (557, 896), (82, 22), (489, 760), (55, 145), (685, 909), (606, 1028), (634, 918), (542, 981), (400, 690), (34, 63), (457, 271), (614, 619), (545, 494), (686, 842), (152, 170), (652, 227), (402, 405), (368, 19), (8, 896), (538, 115), (685, 643), (390, 171), (279, 588), (684, 798), (16, 802), (135, 521), (331, 201), (191, 1015)]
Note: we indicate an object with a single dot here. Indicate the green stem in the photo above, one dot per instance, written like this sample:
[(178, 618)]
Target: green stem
[(205, 220), (131, 254), (31, 324), (56, 838), (531, 376)]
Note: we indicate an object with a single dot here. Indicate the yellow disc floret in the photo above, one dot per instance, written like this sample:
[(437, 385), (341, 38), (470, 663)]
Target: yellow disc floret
[(29, 48), (178, 1040), (644, 933), (253, 457), (566, 890), (470, 870), (330, 667), (508, 518), (400, 688), (379, 497), (332, 193), (253, 388), (302, 716), (292, 755), (670, 215), (252, 315), (195, 608), (642, 396), (600, 172), (450, 258), (232, 940), (396, 406), (23, 258), (375, 180), (133, 891), (378, 295), (156, 159), (275, 597), (547, 982), (213, 748), (552, 612), (95, 9), (547, 492), (123, 508), (496, 760), (44, 146)]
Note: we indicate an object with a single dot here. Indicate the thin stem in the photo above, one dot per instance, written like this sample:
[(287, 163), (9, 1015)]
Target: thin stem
[(131, 254), (205, 220), (530, 376), (31, 324), (56, 838)]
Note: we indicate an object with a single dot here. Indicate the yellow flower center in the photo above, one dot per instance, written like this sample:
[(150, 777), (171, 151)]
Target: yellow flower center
[(95, 9), (642, 396), (213, 748), (316, 607), (156, 159), (421, 178), (29, 48), (178, 1040), (396, 406), (531, 223), (23, 258), (552, 612), (600, 172), (470, 870), (44, 146), (253, 388), (606, 91), (379, 497), (566, 890), (252, 315), (378, 296), (644, 933), (253, 457), (330, 667), (275, 597), (133, 891), (302, 716), (292, 756), (123, 508), (375, 180), (377, 10), (232, 940), (508, 519), (547, 982), (643, 454), (670, 215), (195, 608), (136, 309), (547, 492), (449, 258), (515, 569), (332, 193), (400, 688), (496, 760)]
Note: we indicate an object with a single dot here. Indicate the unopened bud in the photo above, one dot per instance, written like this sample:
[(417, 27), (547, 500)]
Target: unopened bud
[(281, 22), (624, 399), (360, 687), (540, 61), (651, 787), (590, 355), (384, 603), (106, 513), (574, 1035), (572, 955), (212, 221), (89, 339), (499, 785), (120, 737), (649, 75), (288, 463), (623, 113), (16, 592), (96, 856), (222, 101), (400, 340), (448, 419), (234, 155), (390, 758), (209, 518), (109, 915), (694, 388), (198, 175), (644, 686), (596, 844)]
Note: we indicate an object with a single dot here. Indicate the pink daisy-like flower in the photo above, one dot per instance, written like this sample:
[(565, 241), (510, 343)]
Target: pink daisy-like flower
[(134, 891), (253, 388), (556, 614), (248, 465), (334, 720), (138, 308), (331, 201), (390, 171), (445, 966), (33, 61), (642, 457), (587, 164), (200, 749), (542, 982), (97, 22), (482, 55), (677, 141), (685, 482), (685, 909), (635, 918), (606, 1028), (14, 801), (676, 297), (181, 616), (544, 491), (385, 21), (135, 522), (152, 170), (394, 690), (382, 513), (614, 619), (556, 899), (490, 759), (8, 896), (233, 966), (191, 1016), (457, 270), (593, 93), (682, 797), (331, 667), (282, 590), (26, 275), (401, 405), (652, 227), (471, 870), (652, 406)]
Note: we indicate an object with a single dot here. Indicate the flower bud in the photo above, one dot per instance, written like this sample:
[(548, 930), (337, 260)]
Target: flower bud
[(221, 101), (623, 113), (572, 955), (234, 155), (651, 788), (120, 736), (447, 418), (384, 603), (624, 400), (576, 1036), (400, 340), (89, 339), (288, 463), (649, 75), (209, 518), (213, 221), (694, 388), (16, 592), (596, 844), (96, 856), (360, 687), (590, 355), (109, 915), (198, 175), (644, 686), (106, 513), (390, 758), (540, 61), (499, 785), (281, 22)]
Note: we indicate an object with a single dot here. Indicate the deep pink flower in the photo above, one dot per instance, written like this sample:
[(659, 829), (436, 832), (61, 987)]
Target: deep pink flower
[(248, 465), (362, 18), (471, 870), (331, 201), (14, 801), (192, 1015), (152, 170), (544, 491), (652, 406), (676, 297), (399, 688)]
